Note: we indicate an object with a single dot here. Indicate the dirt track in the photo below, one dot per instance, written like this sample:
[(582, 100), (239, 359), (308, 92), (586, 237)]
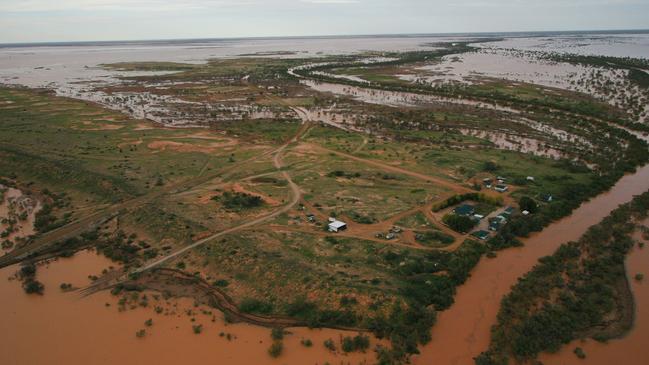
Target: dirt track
[(432, 179), (296, 195), (95, 219)]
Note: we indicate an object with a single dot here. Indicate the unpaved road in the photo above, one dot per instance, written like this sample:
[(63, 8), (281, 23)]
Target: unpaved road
[(296, 195), (384, 166), (87, 222)]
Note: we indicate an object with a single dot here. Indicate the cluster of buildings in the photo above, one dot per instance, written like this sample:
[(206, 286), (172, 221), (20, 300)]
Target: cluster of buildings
[(333, 225), (495, 223), (500, 185)]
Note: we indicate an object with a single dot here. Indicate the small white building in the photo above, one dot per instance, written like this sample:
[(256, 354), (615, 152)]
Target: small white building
[(501, 188), (336, 225)]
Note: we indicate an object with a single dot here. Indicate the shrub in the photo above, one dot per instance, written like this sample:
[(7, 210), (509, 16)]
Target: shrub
[(33, 287), (222, 283), (356, 343), (238, 201), (276, 349), (27, 271), (306, 342), (277, 334), (435, 236), (330, 345), (490, 166), (348, 344), (361, 342), (580, 352), (347, 301)]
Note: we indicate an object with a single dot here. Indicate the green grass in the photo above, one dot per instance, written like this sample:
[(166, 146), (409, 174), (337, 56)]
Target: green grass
[(364, 190), (417, 220)]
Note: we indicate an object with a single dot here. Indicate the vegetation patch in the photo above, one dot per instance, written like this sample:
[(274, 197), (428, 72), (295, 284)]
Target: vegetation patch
[(237, 201)]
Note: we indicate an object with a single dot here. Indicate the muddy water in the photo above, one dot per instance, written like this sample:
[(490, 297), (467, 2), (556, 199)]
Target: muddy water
[(12, 204), (397, 98), (513, 142), (632, 348), (63, 328), (615, 45), (463, 331)]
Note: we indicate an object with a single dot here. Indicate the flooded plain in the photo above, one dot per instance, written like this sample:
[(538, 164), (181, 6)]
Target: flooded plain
[(397, 98), (17, 216), (66, 328), (613, 45), (521, 67), (63, 327), (74, 70)]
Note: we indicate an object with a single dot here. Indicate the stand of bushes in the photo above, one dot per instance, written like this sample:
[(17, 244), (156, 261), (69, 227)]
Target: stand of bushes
[(27, 275), (460, 198), (459, 223), (238, 201)]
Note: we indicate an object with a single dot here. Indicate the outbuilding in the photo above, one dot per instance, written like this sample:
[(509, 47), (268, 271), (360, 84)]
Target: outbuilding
[(501, 188), (336, 225), (487, 183)]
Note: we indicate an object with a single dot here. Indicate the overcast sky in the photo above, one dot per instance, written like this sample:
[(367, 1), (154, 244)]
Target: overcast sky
[(74, 20)]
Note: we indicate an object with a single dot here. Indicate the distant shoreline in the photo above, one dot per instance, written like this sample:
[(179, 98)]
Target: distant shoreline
[(189, 41)]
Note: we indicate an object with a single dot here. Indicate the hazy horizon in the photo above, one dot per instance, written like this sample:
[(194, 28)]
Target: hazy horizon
[(35, 21), (530, 33)]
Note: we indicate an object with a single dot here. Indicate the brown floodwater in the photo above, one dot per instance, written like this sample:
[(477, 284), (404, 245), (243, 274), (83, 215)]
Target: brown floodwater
[(12, 204), (463, 331), (630, 349), (515, 142), (65, 328)]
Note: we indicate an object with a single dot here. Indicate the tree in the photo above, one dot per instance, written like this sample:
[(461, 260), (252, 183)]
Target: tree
[(527, 203), (330, 345), (459, 223), (490, 166), (33, 287)]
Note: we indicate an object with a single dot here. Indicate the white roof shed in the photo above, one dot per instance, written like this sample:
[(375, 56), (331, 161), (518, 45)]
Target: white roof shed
[(336, 225)]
